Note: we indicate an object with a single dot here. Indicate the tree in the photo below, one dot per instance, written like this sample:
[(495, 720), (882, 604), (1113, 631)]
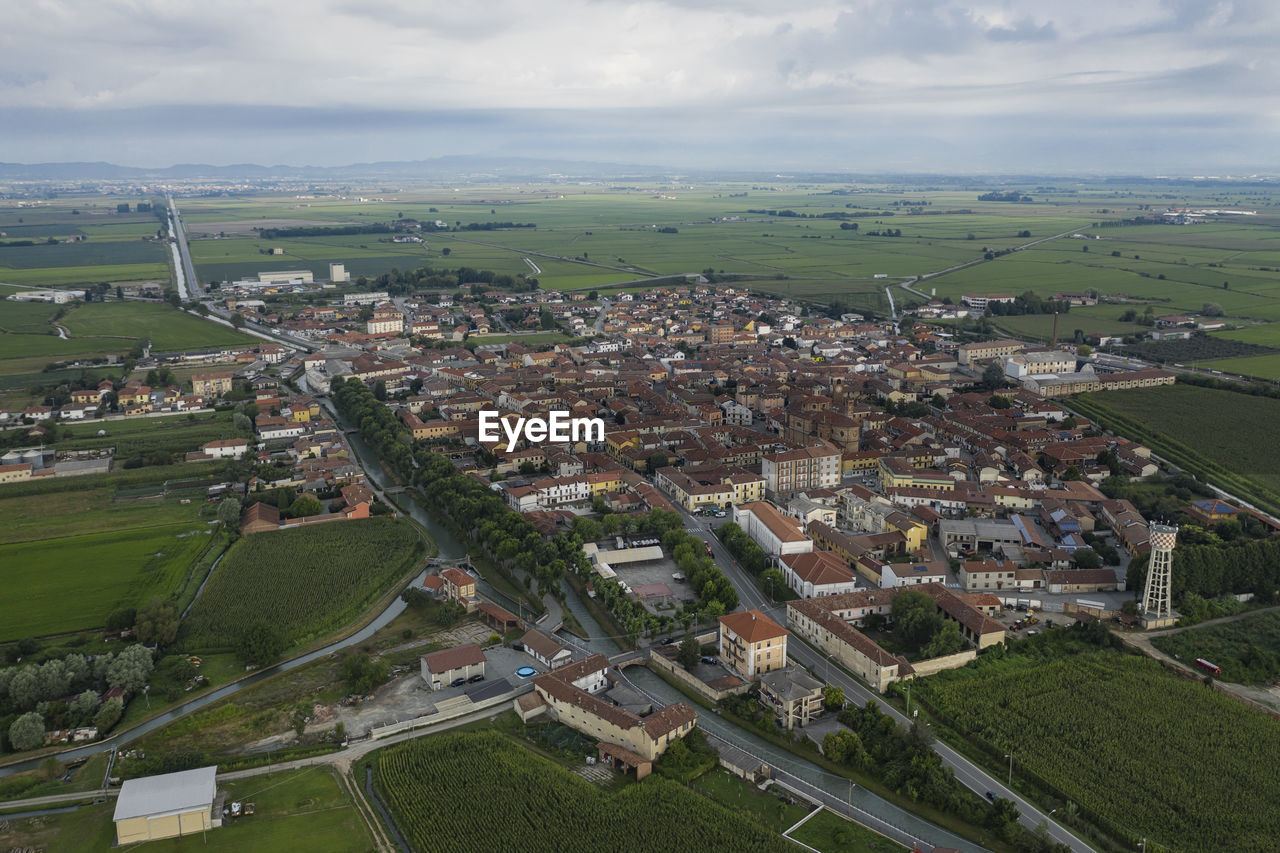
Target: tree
[(229, 512), (109, 714), (83, 706), (446, 251), (158, 622), (689, 653), (27, 732), (915, 617), (121, 618), (305, 505), (999, 401), (260, 645), (993, 376), (1084, 351), (24, 688), (1211, 309), (131, 669), (363, 673), (1070, 422), (380, 390), (1086, 558), (833, 697), (658, 460), (945, 641), (1072, 473)]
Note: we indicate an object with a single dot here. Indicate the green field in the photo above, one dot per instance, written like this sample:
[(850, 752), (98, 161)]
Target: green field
[(303, 809), (303, 582), (1248, 650), (90, 509), (167, 328), (1260, 366), (1229, 439), (1143, 751), (176, 434), (544, 806), (74, 582), (831, 833)]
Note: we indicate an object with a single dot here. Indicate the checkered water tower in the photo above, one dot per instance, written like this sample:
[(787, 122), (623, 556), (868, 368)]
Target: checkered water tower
[(1157, 598)]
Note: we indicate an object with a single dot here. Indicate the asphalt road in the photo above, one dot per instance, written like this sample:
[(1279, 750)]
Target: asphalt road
[(969, 774), (191, 285)]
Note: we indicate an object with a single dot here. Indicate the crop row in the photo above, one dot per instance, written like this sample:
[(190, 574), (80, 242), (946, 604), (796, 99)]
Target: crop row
[(540, 806), (1149, 753), (300, 582)]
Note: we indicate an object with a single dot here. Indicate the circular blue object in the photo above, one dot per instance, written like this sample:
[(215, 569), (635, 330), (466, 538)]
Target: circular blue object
[(526, 671)]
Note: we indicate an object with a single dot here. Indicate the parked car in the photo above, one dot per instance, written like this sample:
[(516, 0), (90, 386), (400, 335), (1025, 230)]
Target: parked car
[(666, 641), (709, 659), (475, 679), (458, 682), (707, 545)]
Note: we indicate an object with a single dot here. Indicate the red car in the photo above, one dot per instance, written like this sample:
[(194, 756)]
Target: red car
[(707, 545)]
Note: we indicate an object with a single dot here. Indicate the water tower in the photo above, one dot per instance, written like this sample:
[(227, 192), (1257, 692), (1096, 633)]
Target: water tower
[(1157, 596)]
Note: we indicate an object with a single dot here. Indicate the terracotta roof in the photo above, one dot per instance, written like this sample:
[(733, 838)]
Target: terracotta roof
[(542, 644), (752, 626), (457, 577), (447, 660), (819, 567), (669, 719)]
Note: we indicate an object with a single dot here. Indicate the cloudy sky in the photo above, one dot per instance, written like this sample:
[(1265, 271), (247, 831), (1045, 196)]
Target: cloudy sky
[(1140, 86)]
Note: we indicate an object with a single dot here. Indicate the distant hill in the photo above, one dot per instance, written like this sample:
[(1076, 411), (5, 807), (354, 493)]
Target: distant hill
[(454, 166)]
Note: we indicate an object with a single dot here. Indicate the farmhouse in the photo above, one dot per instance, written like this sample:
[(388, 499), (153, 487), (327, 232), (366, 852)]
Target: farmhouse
[(441, 669), (625, 739), (166, 806)]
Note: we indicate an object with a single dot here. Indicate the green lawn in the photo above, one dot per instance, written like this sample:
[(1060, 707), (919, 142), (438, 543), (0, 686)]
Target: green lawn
[(72, 583), (742, 796), (294, 810), (168, 328), (528, 340), (831, 833), (51, 347)]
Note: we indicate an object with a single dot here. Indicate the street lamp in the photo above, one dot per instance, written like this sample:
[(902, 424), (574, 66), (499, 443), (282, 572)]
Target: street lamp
[(1010, 757)]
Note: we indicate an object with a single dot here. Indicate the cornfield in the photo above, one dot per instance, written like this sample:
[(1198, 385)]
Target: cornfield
[(1150, 754), (303, 582), (481, 792)]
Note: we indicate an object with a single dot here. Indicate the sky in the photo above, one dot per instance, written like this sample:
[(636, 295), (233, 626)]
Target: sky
[(1150, 87)]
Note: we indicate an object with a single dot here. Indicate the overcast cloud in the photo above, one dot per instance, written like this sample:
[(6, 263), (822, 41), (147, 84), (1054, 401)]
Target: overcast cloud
[(1185, 86)]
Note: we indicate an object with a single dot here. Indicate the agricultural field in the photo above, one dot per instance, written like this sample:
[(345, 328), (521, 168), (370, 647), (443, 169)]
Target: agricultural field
[(166, 327), (303, 582), (421, 782), (306, 809), (142, 437), (1248, 649), (1227, 438), (1130, 743), (90, 509), (72, 583)]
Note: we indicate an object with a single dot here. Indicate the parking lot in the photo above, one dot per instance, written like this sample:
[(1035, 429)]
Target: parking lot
[(653, 573), (408, 696)]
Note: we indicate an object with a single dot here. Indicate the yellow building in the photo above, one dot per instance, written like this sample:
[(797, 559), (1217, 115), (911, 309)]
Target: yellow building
[(210, 384), (167, 806), (752, 644)]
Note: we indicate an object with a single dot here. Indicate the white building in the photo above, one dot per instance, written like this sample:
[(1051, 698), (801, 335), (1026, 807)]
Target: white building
[(768, 527), (817, 573), (374, 298), (338, 274)]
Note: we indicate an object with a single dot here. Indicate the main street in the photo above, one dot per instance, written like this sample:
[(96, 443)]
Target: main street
[(970, 775)]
